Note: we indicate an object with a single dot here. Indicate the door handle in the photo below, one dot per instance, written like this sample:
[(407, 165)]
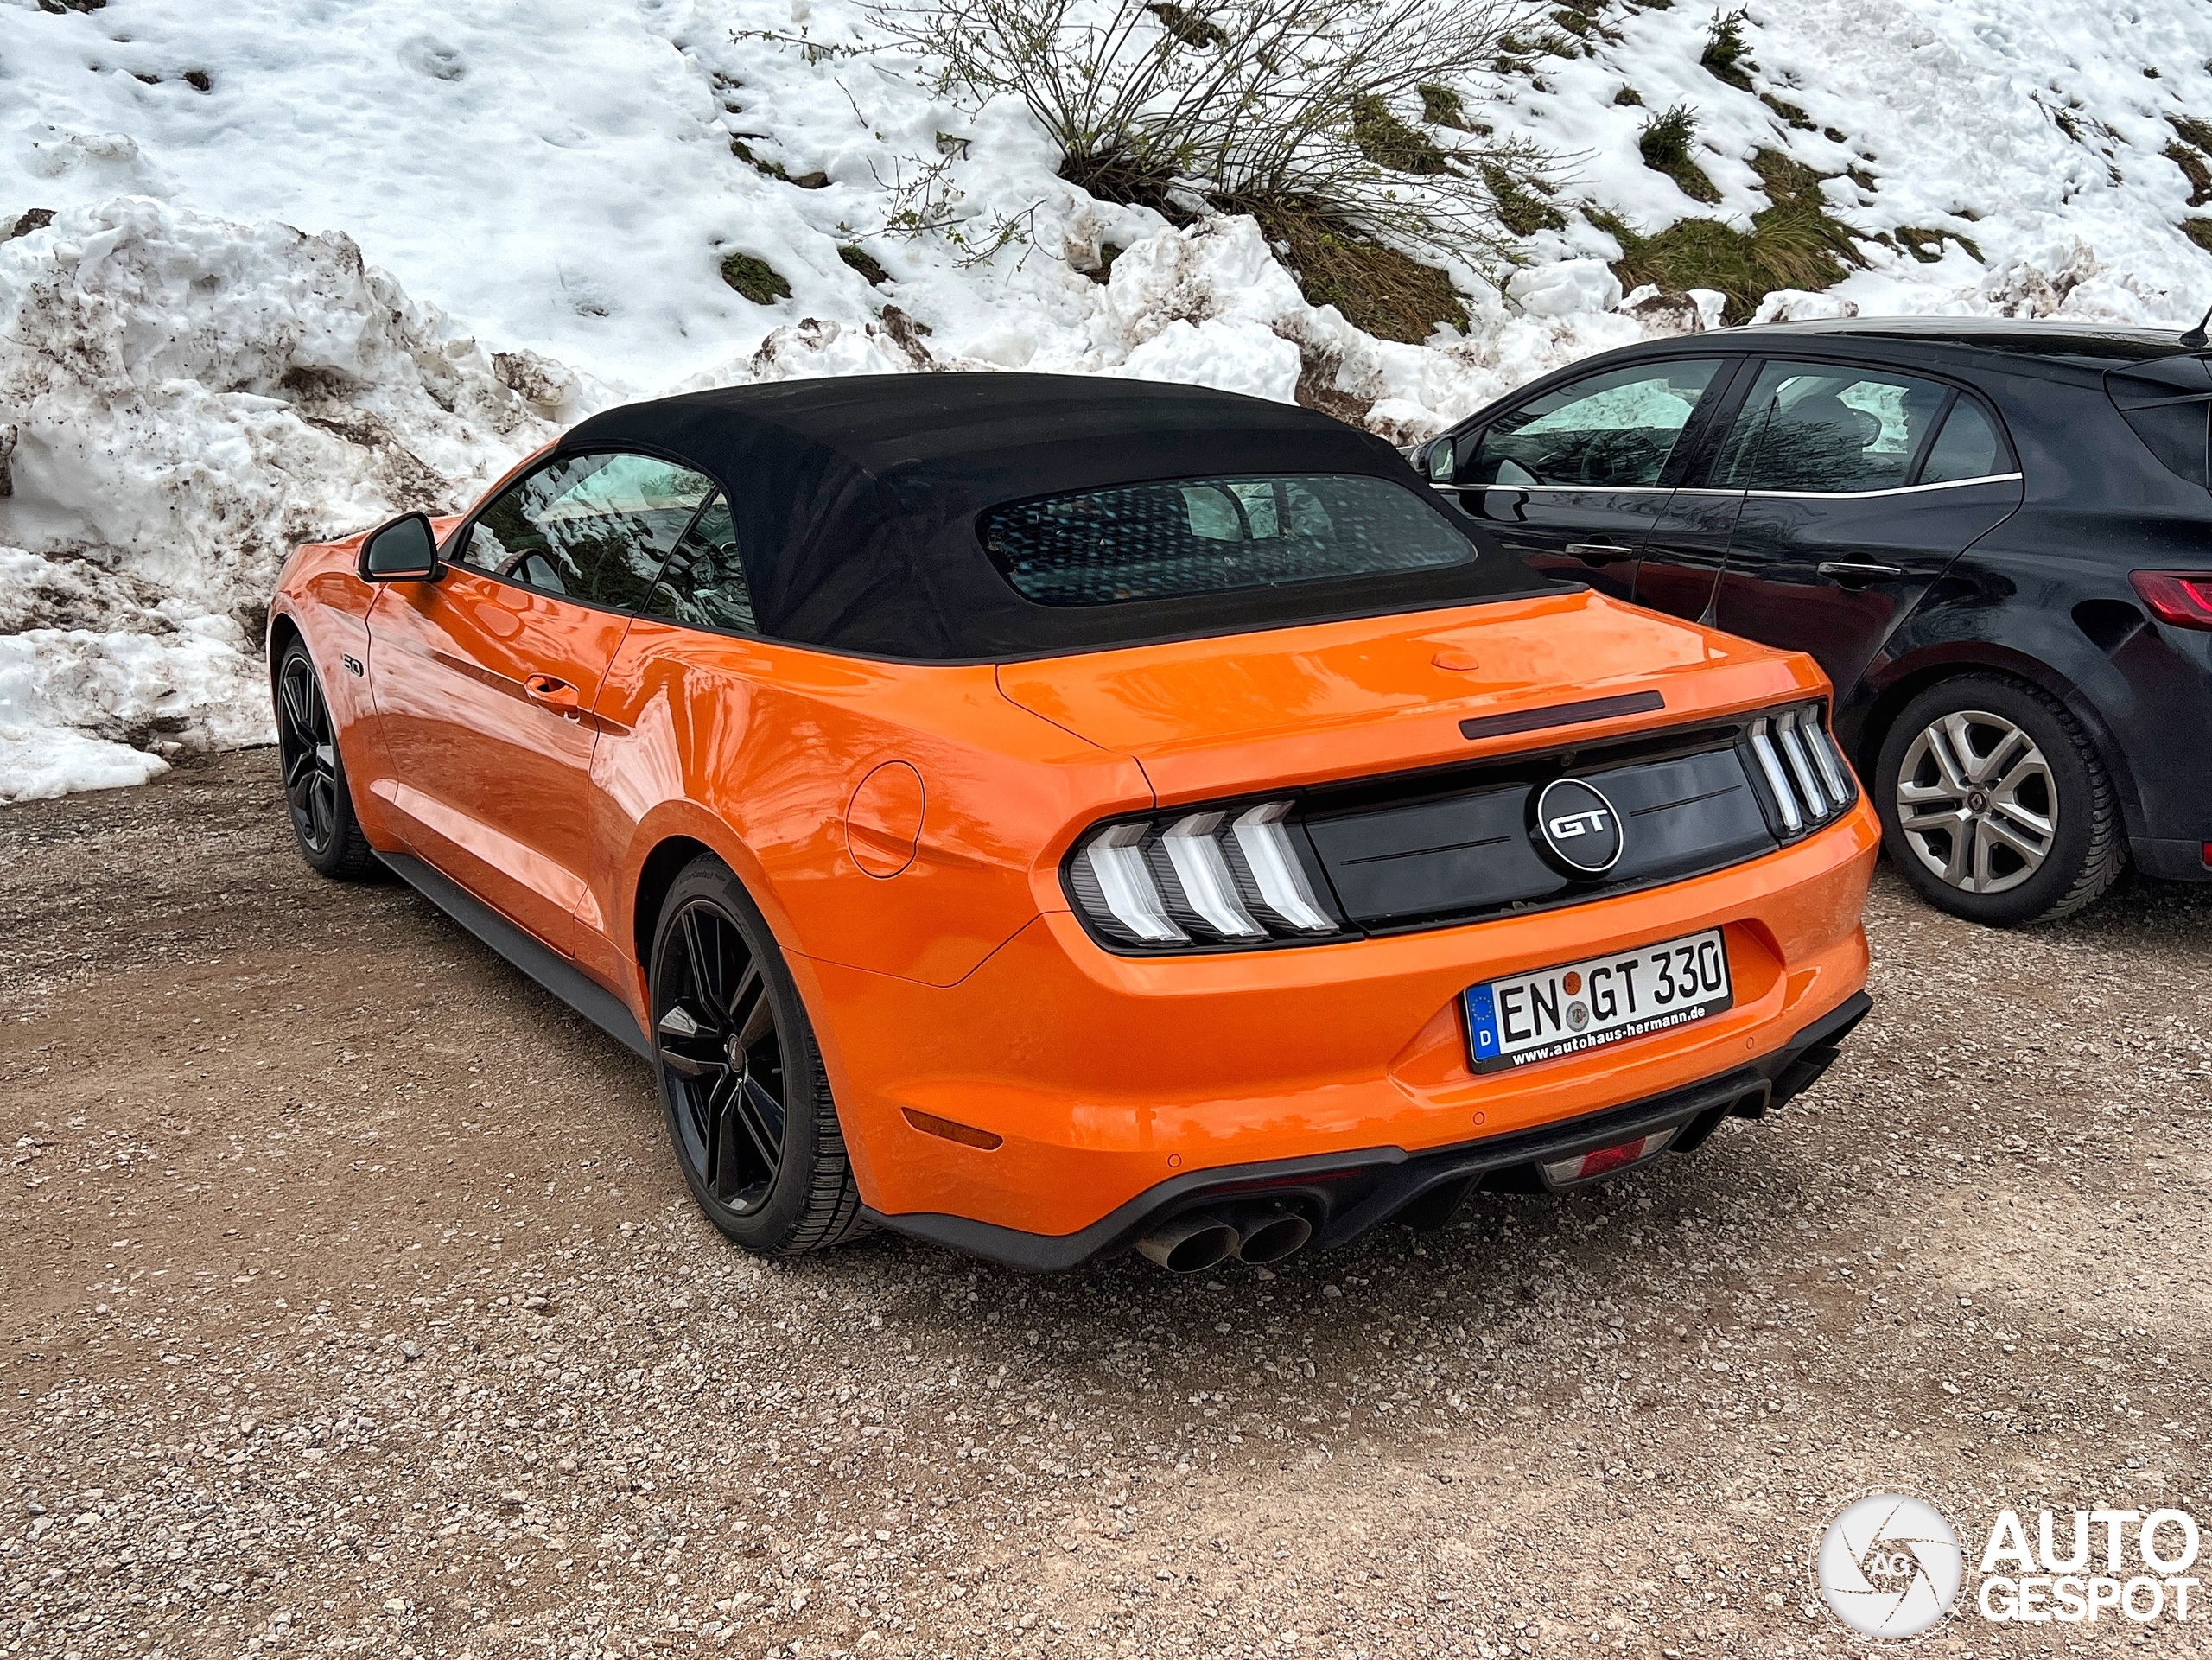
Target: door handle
[(548, 692), (1600, 553), (1852, 574)]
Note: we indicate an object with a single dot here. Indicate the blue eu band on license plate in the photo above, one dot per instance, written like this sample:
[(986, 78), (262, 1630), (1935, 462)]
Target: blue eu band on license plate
[(1555, 1012)]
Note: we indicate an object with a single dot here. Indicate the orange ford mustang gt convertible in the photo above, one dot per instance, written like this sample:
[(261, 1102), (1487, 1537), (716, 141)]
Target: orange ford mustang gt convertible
[(1049, 816)]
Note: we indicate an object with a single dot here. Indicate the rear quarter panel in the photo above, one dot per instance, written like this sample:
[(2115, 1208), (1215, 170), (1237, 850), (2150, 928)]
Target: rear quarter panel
[(756, 751)]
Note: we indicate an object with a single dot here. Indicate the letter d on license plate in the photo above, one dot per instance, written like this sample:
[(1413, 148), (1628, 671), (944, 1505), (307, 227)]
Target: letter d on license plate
[(1601, 1000)]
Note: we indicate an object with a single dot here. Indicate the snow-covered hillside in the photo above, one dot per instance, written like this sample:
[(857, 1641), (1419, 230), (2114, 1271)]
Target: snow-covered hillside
[(310, 264)]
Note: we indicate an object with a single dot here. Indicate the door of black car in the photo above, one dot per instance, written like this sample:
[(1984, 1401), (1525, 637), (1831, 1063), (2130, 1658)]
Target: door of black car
[(1573, 478), (1858, 486)]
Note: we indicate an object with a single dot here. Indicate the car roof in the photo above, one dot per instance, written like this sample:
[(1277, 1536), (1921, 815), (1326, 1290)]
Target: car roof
[(853, 498), (2102, 345)]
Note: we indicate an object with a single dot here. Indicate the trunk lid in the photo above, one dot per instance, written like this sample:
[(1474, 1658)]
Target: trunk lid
[(1379, 695)]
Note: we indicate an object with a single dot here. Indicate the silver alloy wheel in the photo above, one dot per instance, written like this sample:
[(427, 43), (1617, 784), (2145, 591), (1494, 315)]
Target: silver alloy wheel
[(1976, 802)]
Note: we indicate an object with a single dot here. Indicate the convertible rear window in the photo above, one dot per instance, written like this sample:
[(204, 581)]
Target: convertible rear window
[(1177, 538)]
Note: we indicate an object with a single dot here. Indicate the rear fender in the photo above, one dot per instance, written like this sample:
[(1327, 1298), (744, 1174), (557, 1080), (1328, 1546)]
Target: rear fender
[(2043, 650)]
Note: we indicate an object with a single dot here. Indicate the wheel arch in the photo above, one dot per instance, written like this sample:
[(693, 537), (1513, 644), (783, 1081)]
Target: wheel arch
[(1910, 675), (656, 875), (283, 629), (669, 837)]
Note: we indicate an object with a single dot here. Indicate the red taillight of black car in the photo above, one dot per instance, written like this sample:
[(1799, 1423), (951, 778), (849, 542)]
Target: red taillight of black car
[(2182, 598)]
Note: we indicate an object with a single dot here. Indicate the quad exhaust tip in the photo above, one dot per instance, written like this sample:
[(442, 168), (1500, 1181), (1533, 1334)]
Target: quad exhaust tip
[(1199, 1240), (1191, 1243)]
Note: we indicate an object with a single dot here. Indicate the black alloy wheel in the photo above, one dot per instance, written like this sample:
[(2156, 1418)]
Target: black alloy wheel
[(741, 1080), (315, 791), (1995, 802)]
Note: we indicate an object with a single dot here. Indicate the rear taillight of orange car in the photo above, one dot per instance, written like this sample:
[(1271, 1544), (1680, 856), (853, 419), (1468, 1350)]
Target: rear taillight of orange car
[(1216, 876), (1807, 782), (1360, 856)]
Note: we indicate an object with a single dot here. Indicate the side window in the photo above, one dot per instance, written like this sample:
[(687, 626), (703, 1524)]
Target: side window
[(703, 582), (1967, 447), (1611, 429), (1816, 428), (593, 527)]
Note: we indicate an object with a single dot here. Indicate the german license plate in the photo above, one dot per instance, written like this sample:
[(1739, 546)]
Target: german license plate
[(1601, 1000)]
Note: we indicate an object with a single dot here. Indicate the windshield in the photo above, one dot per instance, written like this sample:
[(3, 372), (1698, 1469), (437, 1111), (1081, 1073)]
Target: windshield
[(1181, 537)]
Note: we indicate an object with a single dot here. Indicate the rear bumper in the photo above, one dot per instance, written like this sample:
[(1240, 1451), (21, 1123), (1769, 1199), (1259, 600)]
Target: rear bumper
[(2170, 859), (1099, 1079), (1347, 1195)]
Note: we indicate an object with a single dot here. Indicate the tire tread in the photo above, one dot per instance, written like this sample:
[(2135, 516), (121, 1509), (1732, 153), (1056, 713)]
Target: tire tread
[(2108, 855)]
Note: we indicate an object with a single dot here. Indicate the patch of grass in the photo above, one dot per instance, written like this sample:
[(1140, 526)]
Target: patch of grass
[(865, 263), (1629, 97), (1861, 176), (1926, 246), (1792, 116), (2191, 145), (1727, 54), (1665, 144), (1388, 293), (1521, 206), (1191, 28), (743, 151), (2192, 164), (1442, 107), (1793, 244), (1388, 142), (2198, 231), (756, 279)]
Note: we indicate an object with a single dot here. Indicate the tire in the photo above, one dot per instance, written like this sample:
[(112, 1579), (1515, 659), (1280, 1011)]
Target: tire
[(320, 800), (741, 1082), (1995, 804)]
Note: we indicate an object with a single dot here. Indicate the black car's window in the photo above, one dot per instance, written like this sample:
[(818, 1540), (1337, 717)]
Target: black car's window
[(703, 582), (593, 527), (1617, 430), (1182, 536), (1824, 430), (1967, 447)]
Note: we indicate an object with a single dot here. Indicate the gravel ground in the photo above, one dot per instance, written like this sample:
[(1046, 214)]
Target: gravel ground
[(351, 1302)]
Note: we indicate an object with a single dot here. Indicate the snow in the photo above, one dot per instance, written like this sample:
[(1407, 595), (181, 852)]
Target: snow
[(392, 245)]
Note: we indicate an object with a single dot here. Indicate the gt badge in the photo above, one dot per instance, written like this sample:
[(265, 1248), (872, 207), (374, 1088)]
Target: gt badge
[(1578, 829)]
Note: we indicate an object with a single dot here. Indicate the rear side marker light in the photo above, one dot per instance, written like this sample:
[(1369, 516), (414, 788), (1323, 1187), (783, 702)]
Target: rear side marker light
[(946, 1129), (1588, 1167), (1211, 877), (2182, 598)]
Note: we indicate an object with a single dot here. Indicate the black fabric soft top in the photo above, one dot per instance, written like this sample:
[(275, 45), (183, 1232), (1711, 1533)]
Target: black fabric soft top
[(855, 501)]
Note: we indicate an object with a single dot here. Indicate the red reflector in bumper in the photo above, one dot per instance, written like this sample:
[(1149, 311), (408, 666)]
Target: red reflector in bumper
[(1588, 1167), (967, 1134)]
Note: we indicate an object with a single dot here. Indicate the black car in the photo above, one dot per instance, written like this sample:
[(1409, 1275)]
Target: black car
[(1996, 537)]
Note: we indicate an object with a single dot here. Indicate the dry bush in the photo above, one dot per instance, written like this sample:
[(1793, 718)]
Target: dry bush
[(1312, 110)]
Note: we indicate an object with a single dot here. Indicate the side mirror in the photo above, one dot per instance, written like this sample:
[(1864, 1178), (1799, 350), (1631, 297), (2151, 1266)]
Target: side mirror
[(1433, 460), (403, 551)]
